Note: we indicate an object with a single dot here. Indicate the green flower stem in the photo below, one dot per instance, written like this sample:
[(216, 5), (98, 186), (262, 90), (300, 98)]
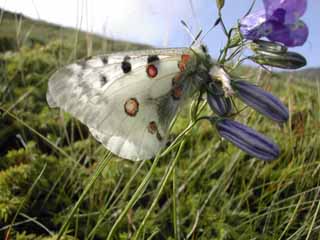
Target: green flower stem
[(203, 160), (174, 204), (240, 61), (101, 166), (224, 28), (135, 196), (224, 52), (147, 178), (235, 53), (180, 137), (160, 190), (196, 109), (106, 211)]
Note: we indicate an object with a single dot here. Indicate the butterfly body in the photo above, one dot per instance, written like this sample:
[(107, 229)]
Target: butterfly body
[(129, 99)]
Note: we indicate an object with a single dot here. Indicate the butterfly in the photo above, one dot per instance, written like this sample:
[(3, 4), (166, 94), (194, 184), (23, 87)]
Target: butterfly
[(129, 99)]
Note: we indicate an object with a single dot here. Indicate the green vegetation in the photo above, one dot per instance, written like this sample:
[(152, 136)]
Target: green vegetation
[(213, 191)]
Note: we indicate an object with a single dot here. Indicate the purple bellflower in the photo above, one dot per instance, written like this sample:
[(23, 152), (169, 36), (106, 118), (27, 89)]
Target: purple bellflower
[(218, 103), (279, 22), (248, 140), (221, 105), (261, 101)]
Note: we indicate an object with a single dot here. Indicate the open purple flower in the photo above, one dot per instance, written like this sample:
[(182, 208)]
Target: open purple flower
[(279, 22), (248, 140), (285, 11)]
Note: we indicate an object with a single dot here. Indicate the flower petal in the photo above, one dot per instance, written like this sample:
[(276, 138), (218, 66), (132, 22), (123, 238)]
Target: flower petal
[(291, 35), (248, 140), (252, 26), (285, 11)]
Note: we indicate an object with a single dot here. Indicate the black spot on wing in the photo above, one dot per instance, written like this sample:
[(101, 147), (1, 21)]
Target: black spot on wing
[(159, 137), (126, 65), (103, 80), (104, 59), (153, 58)]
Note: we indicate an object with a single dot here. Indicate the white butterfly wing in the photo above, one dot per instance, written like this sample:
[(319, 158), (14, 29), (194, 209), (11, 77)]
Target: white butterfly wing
[(126, 104)]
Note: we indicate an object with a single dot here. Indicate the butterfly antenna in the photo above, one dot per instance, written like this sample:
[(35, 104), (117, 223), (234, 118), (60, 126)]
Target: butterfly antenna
[(187, 28), (210, 29), (196, 39), (250, 9)]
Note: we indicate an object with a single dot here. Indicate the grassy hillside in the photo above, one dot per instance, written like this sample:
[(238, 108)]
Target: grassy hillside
[(17, 30), (215, 191), (310, 74)]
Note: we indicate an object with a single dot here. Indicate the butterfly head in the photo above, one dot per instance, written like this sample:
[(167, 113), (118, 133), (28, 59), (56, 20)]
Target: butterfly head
[(211, 71), (219, 74)]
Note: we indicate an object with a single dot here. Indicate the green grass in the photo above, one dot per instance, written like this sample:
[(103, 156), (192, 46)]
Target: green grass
[(56, 179)]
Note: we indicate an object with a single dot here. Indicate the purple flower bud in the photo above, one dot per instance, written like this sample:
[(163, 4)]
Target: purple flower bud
[(260, 100), (221, 105), (287, 60), (248, 140), (271, 47), (218, 103)]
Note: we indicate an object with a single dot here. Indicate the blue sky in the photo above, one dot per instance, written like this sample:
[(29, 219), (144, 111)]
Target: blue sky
[(157, 22)]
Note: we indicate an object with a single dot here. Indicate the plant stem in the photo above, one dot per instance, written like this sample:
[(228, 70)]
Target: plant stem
[(101, 166), (160, 190), (175, 209), (135, 196)]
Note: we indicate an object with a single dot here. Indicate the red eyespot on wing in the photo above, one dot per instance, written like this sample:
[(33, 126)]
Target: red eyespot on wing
[(152, 71), (152, 127), (185, 58), (183, 62), (131, 107)]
